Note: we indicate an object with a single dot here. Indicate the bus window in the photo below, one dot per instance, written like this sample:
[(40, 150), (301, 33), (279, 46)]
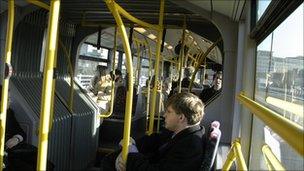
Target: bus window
[(280, 83)]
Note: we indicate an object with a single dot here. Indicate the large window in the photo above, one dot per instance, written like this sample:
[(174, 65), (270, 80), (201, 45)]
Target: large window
[(89, 58), (91, 51), (280, 82)]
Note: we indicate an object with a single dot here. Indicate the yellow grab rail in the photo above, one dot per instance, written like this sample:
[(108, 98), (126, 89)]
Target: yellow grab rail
[(292, 133), (271, 160), (137, 63), (235, 153), (135, 20), (110, 111), (201, 60), (126, 45), (8, 70), (156, 65), (181, 58), (48, 84), (149, 79), (39, 4)]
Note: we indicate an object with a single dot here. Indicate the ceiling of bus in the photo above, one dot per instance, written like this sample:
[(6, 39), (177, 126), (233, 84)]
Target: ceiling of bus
[(230, 8), (88, 12), (171, 39)]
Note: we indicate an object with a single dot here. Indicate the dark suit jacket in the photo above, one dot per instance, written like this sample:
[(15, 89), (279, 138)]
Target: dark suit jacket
[(182, 152)]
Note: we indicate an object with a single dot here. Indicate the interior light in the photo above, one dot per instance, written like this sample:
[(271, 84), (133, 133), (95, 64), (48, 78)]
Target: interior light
[(152, 36), (140, 29)]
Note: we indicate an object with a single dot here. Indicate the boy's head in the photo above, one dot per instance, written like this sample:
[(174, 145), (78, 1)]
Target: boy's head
[(183, 106)]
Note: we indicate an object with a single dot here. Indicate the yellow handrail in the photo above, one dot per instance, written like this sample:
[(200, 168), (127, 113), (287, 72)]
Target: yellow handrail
[(135, 20), (149, 80), (39, 3), (292, 133), (181, 58), (235, 153), (137, 63), (109, 113), (201, 60), (47, 84), (5, 82), (126, 45), (156, 65), (271, 159)]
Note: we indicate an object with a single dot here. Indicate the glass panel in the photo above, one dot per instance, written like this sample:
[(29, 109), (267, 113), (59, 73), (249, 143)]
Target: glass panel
[(91, 51), (280, 86), (261, 7), (86, 71)]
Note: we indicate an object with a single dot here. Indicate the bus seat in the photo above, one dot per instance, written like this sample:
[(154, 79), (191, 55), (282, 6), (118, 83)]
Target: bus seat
[(210, 142)]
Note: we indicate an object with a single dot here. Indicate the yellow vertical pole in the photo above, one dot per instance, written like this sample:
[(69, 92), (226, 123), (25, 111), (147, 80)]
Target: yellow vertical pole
[(138, 63), (149, 79), (156, 65), (181, 58), (230, 158), (239, 155), (48, 84), (161, 98), (5, 82), (53, 85), (128, 110), (271, 160), (110, 111)]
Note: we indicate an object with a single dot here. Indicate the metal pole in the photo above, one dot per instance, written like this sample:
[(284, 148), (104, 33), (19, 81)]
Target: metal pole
[(156, 65), (48, 84), (8, 70)]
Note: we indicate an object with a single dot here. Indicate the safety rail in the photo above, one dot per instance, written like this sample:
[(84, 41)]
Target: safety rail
[(110, 111), (8, 72), (201, 60), (116, 10), (270, 159), (235, 153), (292, 133)]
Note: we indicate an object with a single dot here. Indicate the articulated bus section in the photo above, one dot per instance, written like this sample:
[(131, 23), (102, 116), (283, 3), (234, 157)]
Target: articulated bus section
[(82, 78)]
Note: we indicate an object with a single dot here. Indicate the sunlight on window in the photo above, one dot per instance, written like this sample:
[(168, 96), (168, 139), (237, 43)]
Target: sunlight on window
[(280, 69)]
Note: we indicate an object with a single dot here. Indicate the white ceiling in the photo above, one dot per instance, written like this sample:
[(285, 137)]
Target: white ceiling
[(230, 8), (172, 38)]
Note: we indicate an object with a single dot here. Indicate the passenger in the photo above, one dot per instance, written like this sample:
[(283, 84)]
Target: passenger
[(178, 147), (187, 76), (117, 77), (101, 81), (19, 155), (121, 97), (209, 93), (166, 88), (177, 48)]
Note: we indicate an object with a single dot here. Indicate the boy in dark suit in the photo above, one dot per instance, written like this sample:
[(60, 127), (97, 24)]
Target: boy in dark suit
[(180, 147)]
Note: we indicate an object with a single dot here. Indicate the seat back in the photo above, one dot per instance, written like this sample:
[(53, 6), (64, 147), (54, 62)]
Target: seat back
[(210, 142)]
